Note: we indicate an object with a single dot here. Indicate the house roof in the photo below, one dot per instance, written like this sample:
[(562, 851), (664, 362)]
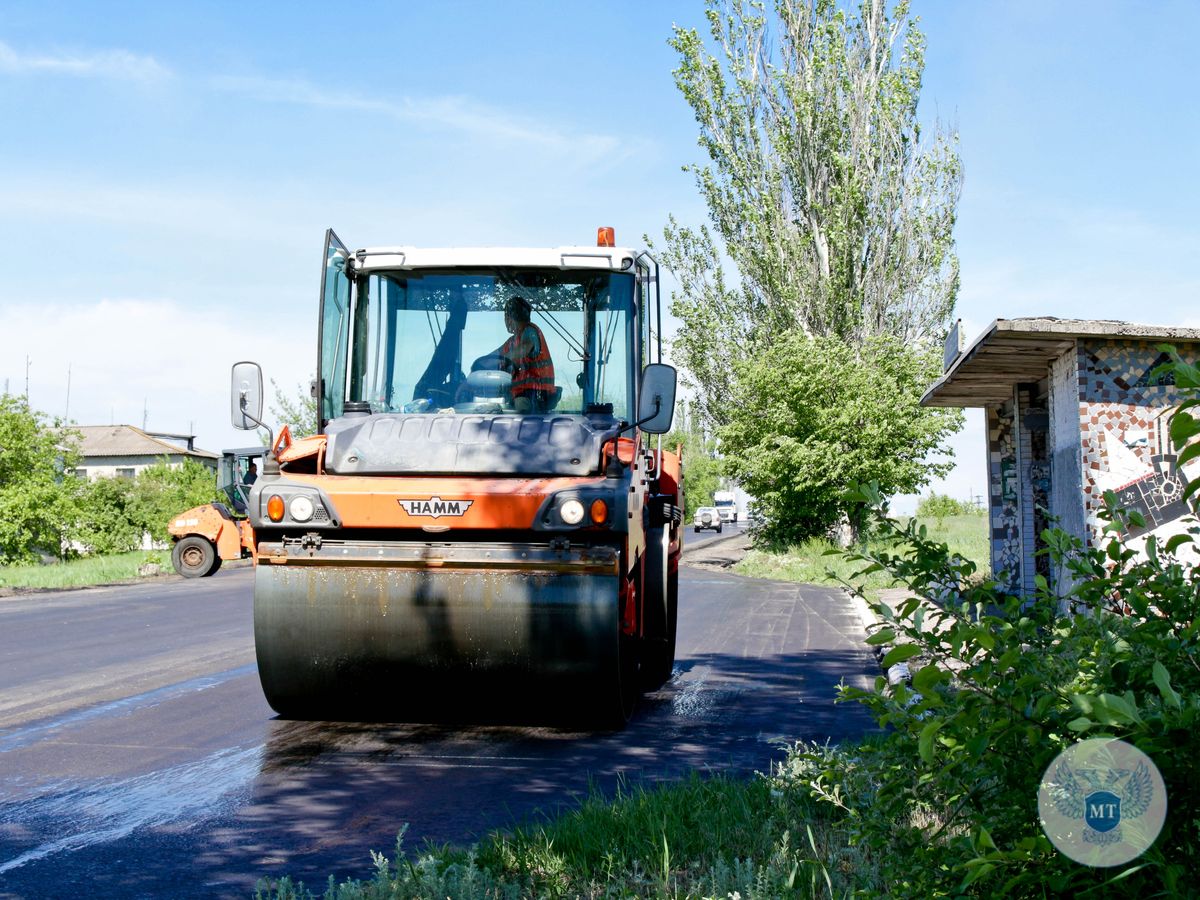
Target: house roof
[(1014, 351), (125, 440)]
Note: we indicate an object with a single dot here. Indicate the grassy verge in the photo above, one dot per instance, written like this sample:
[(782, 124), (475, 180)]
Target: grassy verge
[(704, 837), (83, 572), (809, 562)]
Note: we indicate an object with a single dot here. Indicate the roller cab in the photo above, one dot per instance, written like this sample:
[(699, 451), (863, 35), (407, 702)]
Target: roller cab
[(486, 512)]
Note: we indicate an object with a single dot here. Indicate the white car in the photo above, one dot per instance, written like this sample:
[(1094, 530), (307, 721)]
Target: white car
[(707, 517)]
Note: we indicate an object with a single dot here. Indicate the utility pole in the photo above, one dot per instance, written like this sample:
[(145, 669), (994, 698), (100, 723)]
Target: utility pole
[(67, 411), (27, 365), (145, 413)]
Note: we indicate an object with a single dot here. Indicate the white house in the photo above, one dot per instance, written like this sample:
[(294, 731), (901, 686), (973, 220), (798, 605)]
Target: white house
[(121, 451)]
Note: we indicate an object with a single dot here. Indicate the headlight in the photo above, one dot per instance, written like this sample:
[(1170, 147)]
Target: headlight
[(301, 508), (571, 512)]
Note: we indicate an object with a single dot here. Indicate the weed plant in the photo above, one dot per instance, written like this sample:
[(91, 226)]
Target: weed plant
[(91, 570), (950, 794), (704, 837), (819, 561)]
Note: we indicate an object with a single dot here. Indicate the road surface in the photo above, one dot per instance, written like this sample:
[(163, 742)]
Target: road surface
[(139, 759)]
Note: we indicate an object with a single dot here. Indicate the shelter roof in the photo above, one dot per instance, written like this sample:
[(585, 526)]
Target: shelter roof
[(1015, 351)]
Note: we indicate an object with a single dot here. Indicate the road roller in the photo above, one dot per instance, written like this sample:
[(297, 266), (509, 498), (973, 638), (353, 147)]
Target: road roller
[(486, 518)]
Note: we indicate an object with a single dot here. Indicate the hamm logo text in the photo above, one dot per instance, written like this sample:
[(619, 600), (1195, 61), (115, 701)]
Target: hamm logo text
[(436, 507)]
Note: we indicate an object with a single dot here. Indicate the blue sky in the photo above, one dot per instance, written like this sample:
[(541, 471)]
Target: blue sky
[(167, 170)]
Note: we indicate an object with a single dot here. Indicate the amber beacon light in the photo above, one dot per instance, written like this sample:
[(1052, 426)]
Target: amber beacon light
[(606, 236)]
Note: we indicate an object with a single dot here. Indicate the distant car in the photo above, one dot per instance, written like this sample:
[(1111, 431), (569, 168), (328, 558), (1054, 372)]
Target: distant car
[(707, 517)]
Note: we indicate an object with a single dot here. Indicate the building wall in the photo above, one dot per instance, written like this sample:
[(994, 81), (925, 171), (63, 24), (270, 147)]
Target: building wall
[(1125, 447), (1102, 427), (95, 467), (1066, 454)]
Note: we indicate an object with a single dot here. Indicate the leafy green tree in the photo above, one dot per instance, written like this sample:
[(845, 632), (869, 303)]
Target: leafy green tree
[(162, 491), (939, 506), (36, 502), (298, 411), (109, 519), (830, 220), (701, 465), (813, 415)]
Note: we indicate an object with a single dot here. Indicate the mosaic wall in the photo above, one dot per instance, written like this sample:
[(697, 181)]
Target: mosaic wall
[(1004, 502), (1124, 414)]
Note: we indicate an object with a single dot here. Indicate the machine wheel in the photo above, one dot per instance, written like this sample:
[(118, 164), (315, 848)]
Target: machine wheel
[(658, 627), (619, 698), (697, 529), (659, 659), (194, 557), (719, 527)]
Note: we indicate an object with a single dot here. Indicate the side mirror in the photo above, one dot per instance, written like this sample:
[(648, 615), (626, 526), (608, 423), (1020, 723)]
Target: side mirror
[(246, 396), (656, 403)]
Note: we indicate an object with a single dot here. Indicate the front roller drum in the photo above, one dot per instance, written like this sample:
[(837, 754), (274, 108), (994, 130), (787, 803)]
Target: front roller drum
[(353, 642)]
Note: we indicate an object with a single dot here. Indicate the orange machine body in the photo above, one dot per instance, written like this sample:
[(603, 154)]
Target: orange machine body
[(233, 538)]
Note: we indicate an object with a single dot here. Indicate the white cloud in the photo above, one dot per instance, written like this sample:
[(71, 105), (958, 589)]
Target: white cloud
[(452, 112), (120, 64), (169, 359)]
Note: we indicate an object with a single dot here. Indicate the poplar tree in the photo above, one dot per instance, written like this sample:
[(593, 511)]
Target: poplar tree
[(830, 218)]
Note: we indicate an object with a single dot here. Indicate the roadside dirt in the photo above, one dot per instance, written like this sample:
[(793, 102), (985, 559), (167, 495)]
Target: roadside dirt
[(721, 553)]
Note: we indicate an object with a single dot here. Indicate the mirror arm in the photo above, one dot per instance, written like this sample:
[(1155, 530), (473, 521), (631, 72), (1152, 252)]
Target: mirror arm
[(615, 466), (270, 463)]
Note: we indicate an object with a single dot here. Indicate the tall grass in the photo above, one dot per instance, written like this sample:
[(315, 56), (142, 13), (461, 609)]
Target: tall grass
[(92, 570), (813, 562), (703, 837)]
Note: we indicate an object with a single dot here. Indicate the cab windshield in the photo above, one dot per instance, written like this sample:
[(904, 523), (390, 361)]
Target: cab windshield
[(538, 341)]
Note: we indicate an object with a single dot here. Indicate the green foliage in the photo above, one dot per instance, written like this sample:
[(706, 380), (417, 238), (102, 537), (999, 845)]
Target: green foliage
[(831, 236), (835, 215), (1001, 684), (704, 837), (163, 491), (86, 572), (114, 514), (109, 518), (811, 415), (939, 506), (298, 411), (701, 465), (36, 502), (820, 561)]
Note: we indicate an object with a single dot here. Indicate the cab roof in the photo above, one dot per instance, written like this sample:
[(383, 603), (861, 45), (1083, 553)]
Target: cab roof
[(614, 259)]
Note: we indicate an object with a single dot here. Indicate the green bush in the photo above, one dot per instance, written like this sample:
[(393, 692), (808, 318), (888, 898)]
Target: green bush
[(37, 503), (162, 492), (940, 506), (807, 416), (109, 521), (114, 514), (1000, 686)]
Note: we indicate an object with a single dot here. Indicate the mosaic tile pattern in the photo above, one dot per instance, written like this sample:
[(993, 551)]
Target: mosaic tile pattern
[(1124, 413), (1005, 492)]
